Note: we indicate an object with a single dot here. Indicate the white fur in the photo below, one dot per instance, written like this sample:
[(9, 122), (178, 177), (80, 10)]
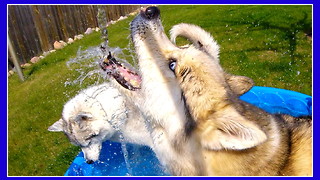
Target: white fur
[(159, 99), (109, 116), (159, 85)]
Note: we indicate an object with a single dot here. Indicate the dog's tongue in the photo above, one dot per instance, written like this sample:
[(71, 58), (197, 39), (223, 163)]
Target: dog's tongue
[(122, 74)]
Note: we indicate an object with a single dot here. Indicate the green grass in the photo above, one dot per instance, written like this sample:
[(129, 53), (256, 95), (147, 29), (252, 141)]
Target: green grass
[(265, 43)]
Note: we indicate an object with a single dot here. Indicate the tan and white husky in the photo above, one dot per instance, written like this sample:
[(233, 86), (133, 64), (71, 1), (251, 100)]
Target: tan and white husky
[(238, 139), (158, 95)]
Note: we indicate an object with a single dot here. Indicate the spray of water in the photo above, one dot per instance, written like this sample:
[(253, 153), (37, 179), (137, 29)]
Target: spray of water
[(87, 64)]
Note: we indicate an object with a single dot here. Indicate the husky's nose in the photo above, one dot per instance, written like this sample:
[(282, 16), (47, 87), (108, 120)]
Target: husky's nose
[(90, 161), (152, 12)]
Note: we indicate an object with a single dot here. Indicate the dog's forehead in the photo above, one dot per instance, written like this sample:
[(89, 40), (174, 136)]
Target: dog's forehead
[(71, 108), (199, 61), (76, 111), (190, 56)]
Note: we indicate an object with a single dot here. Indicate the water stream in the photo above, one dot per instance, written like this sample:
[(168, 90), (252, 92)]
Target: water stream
[(126, 156)]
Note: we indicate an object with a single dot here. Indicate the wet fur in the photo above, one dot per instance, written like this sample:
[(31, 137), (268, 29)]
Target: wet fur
[(238, 139), (160, 101), (101, 113)]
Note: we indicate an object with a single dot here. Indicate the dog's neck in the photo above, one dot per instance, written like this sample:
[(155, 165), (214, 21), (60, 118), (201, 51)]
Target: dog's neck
[(204, 102)]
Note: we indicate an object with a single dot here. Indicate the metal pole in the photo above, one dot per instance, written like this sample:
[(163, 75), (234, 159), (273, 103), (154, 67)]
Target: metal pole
[(15, 60)]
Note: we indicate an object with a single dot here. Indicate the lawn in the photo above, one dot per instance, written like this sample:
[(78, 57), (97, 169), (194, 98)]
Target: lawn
[(270, 44)]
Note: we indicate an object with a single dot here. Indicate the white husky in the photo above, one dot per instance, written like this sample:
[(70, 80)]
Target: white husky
[(101, 113)]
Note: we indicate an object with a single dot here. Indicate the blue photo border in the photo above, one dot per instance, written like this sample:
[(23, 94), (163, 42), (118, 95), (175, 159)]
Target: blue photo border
[(3, 69)]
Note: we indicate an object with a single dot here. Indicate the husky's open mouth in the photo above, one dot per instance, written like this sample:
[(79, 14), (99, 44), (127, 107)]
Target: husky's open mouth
[(121, 73), (149, 18)]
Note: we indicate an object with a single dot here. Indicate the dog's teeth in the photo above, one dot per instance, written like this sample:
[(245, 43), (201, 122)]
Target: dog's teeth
[(134, 83)]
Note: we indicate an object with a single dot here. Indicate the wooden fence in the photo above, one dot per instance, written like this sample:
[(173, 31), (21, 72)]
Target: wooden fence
[(34, 28)]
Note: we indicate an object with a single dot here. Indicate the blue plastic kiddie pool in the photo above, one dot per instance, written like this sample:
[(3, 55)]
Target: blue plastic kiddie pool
[(141, 161)]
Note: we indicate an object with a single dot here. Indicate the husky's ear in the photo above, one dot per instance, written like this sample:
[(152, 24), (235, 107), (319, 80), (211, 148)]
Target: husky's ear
[(57, 126), (239, 84), (231, 133)]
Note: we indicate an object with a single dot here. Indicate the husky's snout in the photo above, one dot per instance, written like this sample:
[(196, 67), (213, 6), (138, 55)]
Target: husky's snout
[(146, 24), (89, 161), (151, 12), (147, 34)]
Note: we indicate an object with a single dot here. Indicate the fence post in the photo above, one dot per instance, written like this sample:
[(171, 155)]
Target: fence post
[(15, 60)]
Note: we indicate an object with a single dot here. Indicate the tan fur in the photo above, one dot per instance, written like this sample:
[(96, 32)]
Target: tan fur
[(299, 163), (238, 139)]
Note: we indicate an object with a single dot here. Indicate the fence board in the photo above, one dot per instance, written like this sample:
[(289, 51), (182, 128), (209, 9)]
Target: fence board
[(34, 28)]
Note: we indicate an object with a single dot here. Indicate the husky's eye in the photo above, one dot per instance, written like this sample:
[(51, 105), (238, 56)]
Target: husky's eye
[(172, 65)]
